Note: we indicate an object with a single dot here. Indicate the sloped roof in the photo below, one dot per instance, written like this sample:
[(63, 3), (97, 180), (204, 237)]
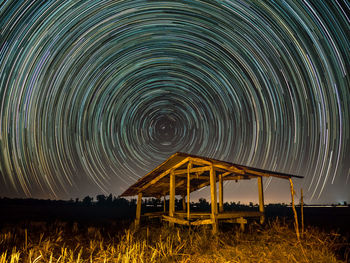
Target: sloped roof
[(156, 182)]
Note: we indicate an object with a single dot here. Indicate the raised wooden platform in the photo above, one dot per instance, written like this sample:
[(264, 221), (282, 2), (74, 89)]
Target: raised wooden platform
[(205, 218), (222, 215)]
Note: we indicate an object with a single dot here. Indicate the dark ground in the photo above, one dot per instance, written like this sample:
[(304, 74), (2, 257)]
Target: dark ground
[(336, 219), (117, 214)]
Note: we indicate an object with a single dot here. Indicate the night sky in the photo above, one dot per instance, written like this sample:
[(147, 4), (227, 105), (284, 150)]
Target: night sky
[(95, 94)]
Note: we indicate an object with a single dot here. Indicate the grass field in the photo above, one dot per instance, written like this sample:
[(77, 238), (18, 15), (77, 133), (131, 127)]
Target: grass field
[(71, 242)]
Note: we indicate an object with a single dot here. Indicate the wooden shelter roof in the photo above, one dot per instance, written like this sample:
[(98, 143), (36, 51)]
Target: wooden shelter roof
[(156, 182)]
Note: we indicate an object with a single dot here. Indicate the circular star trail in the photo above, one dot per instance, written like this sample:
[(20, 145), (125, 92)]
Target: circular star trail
[(94, 94)]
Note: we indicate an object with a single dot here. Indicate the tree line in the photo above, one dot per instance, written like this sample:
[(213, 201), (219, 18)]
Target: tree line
[(119, 202)]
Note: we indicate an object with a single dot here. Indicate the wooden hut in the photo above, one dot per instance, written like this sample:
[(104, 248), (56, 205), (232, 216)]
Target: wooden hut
[(184, 173)]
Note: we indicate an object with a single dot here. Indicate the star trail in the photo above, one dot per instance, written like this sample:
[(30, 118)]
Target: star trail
[(95, 94)]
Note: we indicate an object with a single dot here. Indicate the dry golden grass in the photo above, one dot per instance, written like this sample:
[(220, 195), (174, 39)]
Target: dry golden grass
[(60, 242)]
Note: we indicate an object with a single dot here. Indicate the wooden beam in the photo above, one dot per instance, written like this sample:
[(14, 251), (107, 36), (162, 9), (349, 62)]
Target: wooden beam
[(153, 214), (138, 210), (194, 176), (189, 168), (176, 220), (238, 177), (214, 205), (163, 174), (219, 167), (238, 220), (172, 195), (203, 184), (202, 222), (180, 183), (232, 176), (230, 215), (200, 161), (222, 216), (193, 215), (232, 169), (226, 174), (221, 194), (193, 170), (261, 199), (265, 174)]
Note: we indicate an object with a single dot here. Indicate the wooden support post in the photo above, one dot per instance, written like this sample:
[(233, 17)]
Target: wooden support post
[(261, 199), (242, 223), (164, 204), (183, 203), (138, 210), (172, 196), (221, 194), (189, 167), (214, 205)]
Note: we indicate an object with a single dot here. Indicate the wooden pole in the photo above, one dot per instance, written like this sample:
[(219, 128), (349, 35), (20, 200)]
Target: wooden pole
[(138, 210), (189, 167), (214, 205), (241, 219), (183, 202), (302, 211), (296, 225), (261, 199), (172, 196), (221, 194), (164, 204)]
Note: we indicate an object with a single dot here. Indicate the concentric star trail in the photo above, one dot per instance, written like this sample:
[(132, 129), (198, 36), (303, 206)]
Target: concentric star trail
[(94, 94)]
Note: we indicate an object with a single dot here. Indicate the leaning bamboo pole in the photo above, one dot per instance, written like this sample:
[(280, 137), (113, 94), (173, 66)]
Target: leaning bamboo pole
[(261, 199), (172, 196), (302, 211), (296, 225), (189, 167)]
